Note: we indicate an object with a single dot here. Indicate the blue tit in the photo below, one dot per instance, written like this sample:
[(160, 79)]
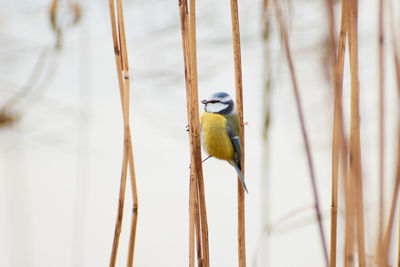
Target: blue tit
[(219, 125)]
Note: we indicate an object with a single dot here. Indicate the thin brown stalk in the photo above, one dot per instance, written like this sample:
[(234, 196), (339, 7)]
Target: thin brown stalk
[(397, 68), (349, 224), (388, 232), (193, 179), (355, 150), (387, 236), (380, 249), (194, 124), (192, 210), (188, 26), (340, 150), (239, 107), (124, 165), (284, 36), (335, 135), (135, 206), (334, 201), (198, 226), (121, 60), (381, 120), (121, 200)]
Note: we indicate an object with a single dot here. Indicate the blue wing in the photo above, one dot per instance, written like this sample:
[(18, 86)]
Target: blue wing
[(236, 143), (238, 153)]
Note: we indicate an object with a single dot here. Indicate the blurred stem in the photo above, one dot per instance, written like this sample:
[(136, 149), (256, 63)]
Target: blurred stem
[(303, 129), (355, 149), (266, 16), (381, 121), (388, 232)]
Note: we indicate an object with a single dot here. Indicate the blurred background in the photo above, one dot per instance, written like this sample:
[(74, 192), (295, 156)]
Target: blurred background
[(61, 132)]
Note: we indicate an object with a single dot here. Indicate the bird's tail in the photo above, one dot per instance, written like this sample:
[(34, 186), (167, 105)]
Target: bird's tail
[(239, 173)]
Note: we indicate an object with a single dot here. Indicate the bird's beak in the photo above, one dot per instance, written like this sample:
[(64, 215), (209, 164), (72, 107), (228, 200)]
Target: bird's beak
[(204, 101)]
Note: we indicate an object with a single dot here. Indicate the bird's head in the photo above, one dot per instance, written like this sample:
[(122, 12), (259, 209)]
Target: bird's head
[(220, 103)]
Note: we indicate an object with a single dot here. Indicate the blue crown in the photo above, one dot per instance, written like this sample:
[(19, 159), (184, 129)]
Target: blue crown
[(220, 95)]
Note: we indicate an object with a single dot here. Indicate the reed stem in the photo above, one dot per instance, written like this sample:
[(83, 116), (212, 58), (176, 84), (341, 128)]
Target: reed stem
[(335, 135), (285, 40), (188, 30), (381, 119), (383, 259), (355, 149), (239, 108), (121, 60)]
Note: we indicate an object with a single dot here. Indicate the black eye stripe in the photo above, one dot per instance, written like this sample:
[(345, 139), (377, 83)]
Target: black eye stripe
[(213, 101)]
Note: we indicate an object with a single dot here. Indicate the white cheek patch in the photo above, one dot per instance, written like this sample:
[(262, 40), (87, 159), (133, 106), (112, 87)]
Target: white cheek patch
[(216, 107)]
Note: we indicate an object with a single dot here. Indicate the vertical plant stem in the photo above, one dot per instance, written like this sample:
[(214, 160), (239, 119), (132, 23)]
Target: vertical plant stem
[(183, 10), (335, 135), (397, 68), (266, 205), (193, 179), (194, 124), (387, 236), (340, 141), (239, 107), (355, 150), (388, 232), (198, 226), (121, 59), (303, 129), (334, 201), (192, 209), (123, 172), (381, 120), (188, 26), (121, 200), (128, 138), (381, 243), (135, 206)]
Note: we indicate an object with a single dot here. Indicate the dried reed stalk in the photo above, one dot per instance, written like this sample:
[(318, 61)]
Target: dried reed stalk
[(268, 82), (285, 40), (188, 29), (340, 148), (193, 179), (121, 60), (194, 123), (239, 108), (383, 252), (192, 209), (397, 68), (339, 143), (383, 259), (355, 150), (335, 138), (380, 249), (381, 119)]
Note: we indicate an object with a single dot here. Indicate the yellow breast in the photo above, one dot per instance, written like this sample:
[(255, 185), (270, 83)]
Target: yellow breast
[(215, 138)]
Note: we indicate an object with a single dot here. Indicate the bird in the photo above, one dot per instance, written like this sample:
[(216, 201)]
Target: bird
[(219, 127)]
